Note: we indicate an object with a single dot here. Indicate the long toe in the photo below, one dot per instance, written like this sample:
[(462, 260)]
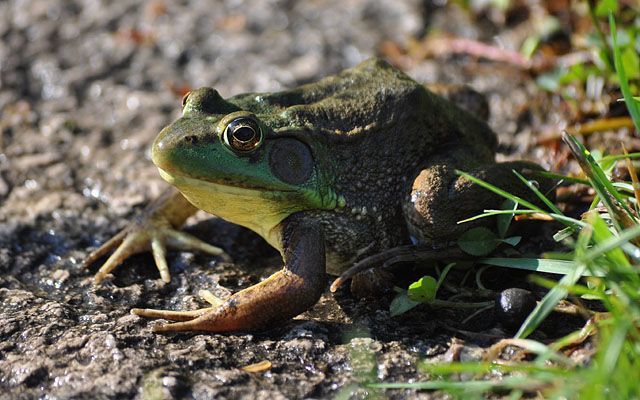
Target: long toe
[(169, 314)]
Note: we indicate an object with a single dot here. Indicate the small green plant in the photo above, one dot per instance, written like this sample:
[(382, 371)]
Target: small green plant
[(425, 290), (479, 241)]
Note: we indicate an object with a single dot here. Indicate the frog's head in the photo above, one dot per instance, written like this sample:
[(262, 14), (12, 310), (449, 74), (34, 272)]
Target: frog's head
[(231, 163)]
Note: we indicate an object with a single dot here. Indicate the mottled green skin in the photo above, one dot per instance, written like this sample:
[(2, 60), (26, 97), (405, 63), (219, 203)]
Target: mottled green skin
[(371, 131)]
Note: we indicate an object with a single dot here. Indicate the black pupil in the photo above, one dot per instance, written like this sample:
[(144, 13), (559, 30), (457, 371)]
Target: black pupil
[(244, 133)]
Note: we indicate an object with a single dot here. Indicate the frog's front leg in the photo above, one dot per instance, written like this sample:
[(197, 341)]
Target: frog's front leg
[(285, 294), (154, 230)]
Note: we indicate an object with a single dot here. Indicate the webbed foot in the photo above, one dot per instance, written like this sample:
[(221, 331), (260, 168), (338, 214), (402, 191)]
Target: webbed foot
[(155, 230)]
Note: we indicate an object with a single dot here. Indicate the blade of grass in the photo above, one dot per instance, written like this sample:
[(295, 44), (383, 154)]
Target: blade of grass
[(634, 176), (467, 387), (486, 367), (504, 221), (563, 234), (601, 233), (594, 172), (537, 192), (561, 267), (499, 191), (577, 289), (610, 244), (443, 275), (600, 33), (616, 157), (553, 175), (600, 183), (614, 346), (574, 337), (558, 292), (632, 105), (625, 186), (570, 222)]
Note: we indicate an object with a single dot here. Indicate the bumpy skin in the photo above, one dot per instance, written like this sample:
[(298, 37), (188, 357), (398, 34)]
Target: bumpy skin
[(346, 167)]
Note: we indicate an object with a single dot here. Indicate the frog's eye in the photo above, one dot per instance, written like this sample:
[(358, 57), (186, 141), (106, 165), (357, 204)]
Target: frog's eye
[(184, 98), (242, 135)]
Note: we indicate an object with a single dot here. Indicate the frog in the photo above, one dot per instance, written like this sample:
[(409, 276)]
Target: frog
[(328, 173)]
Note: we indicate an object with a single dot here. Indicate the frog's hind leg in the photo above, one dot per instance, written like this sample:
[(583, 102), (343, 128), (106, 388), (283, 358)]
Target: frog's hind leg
[(440, 198)]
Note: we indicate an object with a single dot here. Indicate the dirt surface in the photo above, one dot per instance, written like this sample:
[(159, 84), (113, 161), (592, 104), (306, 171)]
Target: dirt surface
[(84, 89)]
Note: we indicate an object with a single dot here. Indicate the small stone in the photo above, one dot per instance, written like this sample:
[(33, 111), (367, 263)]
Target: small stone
[(513, 306), (60, 275)]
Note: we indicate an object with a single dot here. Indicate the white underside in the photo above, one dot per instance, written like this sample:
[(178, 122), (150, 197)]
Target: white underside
[(251, 208)]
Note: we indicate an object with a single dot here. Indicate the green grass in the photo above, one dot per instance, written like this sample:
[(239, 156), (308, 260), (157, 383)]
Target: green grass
[(564, 80), (603, 266)]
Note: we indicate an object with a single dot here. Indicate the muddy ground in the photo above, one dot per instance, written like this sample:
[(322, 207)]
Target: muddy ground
[(84, 88)]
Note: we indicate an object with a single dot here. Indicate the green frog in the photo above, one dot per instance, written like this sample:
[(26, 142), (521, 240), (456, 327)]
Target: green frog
[(328, 173)]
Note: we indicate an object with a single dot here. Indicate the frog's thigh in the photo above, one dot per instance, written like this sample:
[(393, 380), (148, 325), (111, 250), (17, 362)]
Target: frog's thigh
[(439, 198)]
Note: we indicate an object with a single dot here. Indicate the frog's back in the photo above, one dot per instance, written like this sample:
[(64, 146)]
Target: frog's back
[(370, 103)]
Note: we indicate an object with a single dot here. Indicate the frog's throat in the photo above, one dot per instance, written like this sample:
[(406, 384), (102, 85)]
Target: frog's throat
[(257, 209)]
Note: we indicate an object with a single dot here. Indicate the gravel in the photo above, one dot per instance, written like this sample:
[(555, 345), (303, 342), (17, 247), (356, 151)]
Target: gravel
[(84, 88)]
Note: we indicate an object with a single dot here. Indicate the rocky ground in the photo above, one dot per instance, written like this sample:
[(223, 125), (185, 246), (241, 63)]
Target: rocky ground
[(84, 88)]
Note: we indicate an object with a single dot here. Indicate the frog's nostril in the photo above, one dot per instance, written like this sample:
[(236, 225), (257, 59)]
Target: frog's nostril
[(192, 139)]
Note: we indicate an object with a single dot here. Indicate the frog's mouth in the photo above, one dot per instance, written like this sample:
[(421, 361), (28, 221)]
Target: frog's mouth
[(181, 181)]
